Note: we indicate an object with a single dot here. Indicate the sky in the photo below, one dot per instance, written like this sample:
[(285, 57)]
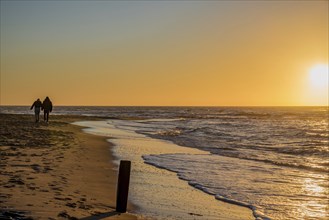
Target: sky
[(164, 53)]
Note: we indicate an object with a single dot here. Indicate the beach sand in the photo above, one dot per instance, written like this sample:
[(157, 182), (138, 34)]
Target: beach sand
[(55, 171), (160, 193)]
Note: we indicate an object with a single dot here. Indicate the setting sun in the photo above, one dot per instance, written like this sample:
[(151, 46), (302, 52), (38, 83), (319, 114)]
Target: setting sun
[(319, 76), (166, 53), (175, 94), (316, 91)]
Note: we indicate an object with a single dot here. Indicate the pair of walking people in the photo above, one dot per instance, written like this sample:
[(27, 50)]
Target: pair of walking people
[(46, 106)]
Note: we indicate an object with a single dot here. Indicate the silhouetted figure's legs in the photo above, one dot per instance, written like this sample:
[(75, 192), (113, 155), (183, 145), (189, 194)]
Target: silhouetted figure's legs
[(37, 114), (46, 116)]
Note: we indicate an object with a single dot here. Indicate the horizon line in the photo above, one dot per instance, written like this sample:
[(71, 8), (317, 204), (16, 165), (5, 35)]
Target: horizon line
[(208, 106)]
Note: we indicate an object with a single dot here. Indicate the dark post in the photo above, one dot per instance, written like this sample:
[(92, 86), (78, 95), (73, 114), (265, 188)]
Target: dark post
[(123, 186)]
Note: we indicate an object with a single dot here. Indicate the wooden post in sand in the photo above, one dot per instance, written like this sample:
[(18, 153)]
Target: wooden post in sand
[(123, 186)]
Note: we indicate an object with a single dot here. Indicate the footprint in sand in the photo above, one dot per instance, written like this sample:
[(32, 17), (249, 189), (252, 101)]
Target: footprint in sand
[(71, 204), (36, 168), (64, 214), (47, 169), (16, 180), (32, 186)]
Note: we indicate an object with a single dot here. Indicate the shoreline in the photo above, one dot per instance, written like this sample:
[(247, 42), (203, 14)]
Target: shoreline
[(265, 187), (49, 171), (160, 193)]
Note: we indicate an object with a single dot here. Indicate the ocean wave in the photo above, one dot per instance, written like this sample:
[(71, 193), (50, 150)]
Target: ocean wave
[(259, 215), (231, 146), (309, 150), (256, 212), (317, 167), (172, 132), (276, 139)]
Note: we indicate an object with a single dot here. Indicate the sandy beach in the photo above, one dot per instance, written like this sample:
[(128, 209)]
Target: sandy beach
[(55, 171), (159, 193)]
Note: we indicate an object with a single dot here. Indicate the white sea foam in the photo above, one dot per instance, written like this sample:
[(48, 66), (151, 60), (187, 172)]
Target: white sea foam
[(275, 159), (158, 192), (262, 187)]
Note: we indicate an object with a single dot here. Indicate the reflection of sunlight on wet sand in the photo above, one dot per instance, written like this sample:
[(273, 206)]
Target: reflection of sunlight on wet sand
[(307, 207), (159, 193), (300, 193), (312, 187)]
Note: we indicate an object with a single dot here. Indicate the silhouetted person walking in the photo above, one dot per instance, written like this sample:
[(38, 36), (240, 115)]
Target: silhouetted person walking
[(37, 106), (47, 107)]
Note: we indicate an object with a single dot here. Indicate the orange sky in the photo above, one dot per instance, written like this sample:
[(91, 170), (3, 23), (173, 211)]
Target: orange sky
[(214, 53)]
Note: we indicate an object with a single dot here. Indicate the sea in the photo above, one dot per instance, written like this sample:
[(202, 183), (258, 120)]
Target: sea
[(272, 160)]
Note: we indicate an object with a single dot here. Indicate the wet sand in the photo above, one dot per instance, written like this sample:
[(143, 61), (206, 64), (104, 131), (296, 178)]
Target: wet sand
[(55, 171), (160, 193)]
